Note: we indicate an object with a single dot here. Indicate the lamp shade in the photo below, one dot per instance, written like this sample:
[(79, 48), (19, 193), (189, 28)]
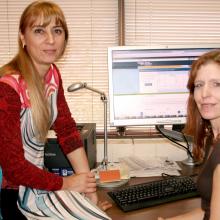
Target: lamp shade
[(76, 86)]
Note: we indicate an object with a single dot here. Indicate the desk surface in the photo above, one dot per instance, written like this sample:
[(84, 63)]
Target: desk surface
[(152, 213)]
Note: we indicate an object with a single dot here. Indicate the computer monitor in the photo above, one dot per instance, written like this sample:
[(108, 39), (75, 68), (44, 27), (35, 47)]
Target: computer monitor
[(147, 86)]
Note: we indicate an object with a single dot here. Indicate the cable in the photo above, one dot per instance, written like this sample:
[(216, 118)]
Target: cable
[(166, 175), (172, 139), (188, 145)]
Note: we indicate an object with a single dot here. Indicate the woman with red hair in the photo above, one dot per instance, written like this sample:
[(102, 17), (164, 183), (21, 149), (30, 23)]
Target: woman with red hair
[(203, 123)]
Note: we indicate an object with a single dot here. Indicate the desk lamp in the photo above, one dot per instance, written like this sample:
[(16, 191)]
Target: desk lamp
[(81, 85), (104, 164)]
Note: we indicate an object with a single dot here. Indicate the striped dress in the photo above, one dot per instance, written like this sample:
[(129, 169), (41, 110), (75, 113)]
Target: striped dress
[(42, 204)]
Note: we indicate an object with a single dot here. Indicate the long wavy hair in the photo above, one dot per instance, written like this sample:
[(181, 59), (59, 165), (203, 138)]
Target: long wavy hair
[(197, 126), (23, 64)]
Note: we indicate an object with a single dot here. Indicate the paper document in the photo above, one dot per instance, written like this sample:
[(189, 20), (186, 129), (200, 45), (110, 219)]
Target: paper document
[(152, 166)]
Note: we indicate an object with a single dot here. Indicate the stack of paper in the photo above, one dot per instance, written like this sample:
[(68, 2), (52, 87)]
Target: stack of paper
[(150, 166)]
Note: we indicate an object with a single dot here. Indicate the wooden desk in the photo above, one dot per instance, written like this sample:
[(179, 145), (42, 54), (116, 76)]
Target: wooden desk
[(152, 213)]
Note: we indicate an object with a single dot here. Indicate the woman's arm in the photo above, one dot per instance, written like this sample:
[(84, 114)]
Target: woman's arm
[(71, 144), (215, 200), (82, 165), (65, 126), (83, 180), (195, 214), (16, 168), (89, 183)]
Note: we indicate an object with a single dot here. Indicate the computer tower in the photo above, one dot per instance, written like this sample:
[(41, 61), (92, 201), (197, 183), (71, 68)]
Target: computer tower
[(56, 162)]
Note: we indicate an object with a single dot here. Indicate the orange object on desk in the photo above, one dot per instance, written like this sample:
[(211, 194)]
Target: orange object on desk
[(109, 176)]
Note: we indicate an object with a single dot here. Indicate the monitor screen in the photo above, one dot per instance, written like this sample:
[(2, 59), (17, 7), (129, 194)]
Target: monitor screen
[(147, 86)]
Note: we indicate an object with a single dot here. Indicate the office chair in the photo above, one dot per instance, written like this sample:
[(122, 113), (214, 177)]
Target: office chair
[(8, 203)]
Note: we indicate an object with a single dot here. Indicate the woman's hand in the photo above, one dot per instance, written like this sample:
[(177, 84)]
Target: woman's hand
[(103, 205), (93, 197), (82, 183)]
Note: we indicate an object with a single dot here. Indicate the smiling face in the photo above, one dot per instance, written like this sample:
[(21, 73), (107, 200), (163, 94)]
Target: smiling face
[(207, 92), (44, 43)]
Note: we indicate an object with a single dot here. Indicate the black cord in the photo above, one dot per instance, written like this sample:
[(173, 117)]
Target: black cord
[(166, 175), (172, 139), (188, 145)]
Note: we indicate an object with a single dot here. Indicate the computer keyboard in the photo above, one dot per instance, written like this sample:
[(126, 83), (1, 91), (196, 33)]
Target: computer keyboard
[(154, 193)]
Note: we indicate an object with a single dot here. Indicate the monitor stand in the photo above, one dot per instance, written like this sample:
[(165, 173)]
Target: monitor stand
[(178, 136), (189, 161)]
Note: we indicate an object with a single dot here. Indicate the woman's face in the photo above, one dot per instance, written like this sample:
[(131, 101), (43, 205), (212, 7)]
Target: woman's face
[(44, 44), (207, 91)]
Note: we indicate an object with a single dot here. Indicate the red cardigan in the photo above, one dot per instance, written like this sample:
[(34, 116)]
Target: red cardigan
[(16, 169)]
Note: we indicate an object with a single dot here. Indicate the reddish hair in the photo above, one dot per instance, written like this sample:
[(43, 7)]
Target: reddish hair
[(196, 126)]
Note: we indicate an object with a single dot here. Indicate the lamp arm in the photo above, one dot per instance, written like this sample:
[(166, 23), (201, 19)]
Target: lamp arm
[(105, 101), (80, 85), (94, 90), (105, 159)]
